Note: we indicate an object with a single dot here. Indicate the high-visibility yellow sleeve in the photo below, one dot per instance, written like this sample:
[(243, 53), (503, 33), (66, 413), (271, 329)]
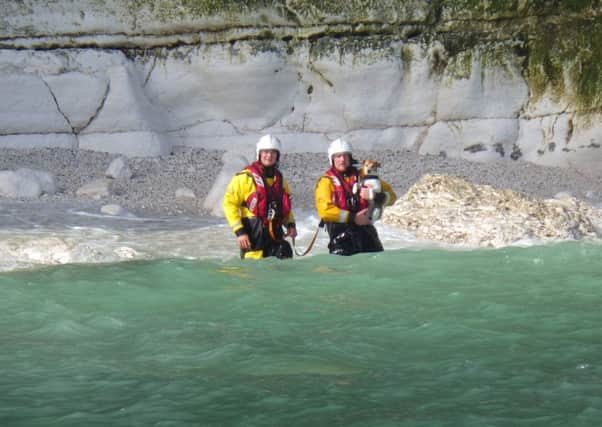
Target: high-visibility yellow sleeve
[(238, 191), (326, 208)]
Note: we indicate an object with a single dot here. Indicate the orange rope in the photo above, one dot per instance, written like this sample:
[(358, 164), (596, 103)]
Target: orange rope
[(311, 243)]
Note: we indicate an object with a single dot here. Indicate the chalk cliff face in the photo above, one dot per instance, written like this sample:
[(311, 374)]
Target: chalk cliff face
[(481, 80)]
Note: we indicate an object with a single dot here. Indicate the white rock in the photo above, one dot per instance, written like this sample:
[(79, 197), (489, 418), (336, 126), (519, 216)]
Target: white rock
[(96, 189), (477, 140), (127, 107), (486, 93), (233, 162), (113, 209), (131, 144), (119, 169), (223, 96), (452, 210), (26, 183), (366, 90), (79, 96), (250, 90), (28, 106), (45, 179), (15, 186), (185, 193), (125, 252), (563, 195), (36, 140), (47, 250)]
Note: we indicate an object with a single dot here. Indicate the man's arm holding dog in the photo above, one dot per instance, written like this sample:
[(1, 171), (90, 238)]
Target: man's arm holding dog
[(388, 195), (329, 212)]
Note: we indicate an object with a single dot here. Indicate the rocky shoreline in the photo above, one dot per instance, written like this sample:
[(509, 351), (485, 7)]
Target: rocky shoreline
[(151, 190)]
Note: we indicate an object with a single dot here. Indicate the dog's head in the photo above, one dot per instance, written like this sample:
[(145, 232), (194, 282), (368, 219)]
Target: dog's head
[(369, 167)]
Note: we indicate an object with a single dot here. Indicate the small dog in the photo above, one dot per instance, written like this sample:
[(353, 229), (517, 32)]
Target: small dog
[(369, 178)]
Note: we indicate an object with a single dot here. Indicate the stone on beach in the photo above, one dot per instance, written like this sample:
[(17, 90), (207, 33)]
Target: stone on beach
[(233, 162), (185, 193), (96, 189), (451, 210), (25, 183), (119, 169), (114, 210)]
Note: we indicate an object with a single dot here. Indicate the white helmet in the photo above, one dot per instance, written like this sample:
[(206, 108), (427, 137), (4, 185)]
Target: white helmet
[(338, 146), (268, 142)]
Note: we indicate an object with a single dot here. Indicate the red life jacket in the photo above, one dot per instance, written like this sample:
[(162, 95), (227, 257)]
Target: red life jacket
[(264, 196), (343, 196)]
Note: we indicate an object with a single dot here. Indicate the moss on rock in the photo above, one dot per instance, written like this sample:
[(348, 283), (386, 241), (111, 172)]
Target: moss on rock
[(566, 62)]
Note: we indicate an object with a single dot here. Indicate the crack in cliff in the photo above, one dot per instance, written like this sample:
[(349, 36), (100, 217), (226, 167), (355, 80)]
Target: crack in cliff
[(188, 126), (35, 133), (150, 72), (236, 129), (98, 109), (321, 75), (58, 107)]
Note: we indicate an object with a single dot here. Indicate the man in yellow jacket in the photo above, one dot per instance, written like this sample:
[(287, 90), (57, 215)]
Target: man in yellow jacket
[(257, 205), (342, 204)]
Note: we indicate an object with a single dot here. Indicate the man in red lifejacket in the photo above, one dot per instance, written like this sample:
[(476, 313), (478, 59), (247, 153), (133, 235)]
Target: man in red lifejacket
[(343, 205), (257, 205)]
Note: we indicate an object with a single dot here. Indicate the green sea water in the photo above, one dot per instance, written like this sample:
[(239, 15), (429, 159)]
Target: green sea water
[(509, 337)]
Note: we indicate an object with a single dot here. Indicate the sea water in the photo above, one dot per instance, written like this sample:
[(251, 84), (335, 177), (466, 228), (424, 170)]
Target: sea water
[(414, 336)]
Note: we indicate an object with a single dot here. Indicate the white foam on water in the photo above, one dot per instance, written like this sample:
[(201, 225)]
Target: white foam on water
[(32, 238)]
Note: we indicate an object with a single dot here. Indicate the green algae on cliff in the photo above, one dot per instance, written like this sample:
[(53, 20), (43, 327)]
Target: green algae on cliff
[(173, 9), (566, 62), (555, 42), (308, 11), (509, 9), (358, 11)]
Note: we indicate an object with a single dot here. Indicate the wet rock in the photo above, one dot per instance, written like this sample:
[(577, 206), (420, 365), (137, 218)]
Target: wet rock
[(451, 210)]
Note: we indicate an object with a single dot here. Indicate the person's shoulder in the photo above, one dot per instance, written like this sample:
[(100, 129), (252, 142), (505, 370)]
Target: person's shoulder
[(241, 177), (243, 172), (324, 181)]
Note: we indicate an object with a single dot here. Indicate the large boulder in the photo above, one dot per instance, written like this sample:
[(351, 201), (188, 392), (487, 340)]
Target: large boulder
[(451, 210), (26, 183)]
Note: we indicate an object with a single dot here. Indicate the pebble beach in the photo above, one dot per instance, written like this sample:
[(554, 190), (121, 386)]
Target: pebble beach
[(152, 187)]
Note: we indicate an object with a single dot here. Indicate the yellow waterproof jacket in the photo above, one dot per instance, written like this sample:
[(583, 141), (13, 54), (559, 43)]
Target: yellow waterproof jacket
[(238, 191), (328, 211)]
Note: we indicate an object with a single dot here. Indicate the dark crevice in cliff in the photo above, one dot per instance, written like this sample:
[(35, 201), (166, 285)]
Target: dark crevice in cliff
[(99, 108), (58, 107)]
